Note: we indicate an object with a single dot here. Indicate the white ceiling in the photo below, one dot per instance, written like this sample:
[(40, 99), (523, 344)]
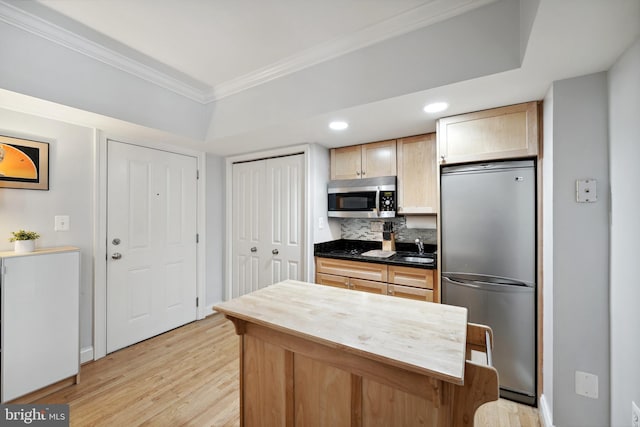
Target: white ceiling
[(228, 46), (216, 41)]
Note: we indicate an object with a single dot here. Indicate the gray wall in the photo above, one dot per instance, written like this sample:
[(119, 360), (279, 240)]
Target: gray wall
[(546, 400), (318, 176), (580, 250), (624, 153), (70, 193), (215, 225), (37, 67)]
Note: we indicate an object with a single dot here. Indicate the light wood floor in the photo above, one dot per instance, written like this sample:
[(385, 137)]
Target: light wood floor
[(189, 377)]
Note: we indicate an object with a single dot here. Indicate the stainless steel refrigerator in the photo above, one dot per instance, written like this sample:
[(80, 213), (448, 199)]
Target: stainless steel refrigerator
[(488, 264)]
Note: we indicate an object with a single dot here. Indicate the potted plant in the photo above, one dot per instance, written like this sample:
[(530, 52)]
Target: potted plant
[(25, 241)]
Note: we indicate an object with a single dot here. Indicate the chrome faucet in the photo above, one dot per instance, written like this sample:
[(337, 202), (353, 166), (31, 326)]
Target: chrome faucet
[(420, 246)]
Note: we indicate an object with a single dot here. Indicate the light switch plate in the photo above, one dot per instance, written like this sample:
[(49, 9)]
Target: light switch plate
[(586, 191), (587, 384), (61, 223)]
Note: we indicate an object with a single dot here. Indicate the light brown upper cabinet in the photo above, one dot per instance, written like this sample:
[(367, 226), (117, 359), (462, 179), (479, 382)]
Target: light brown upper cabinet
[(499, 133), (364, 161), (417, 175)]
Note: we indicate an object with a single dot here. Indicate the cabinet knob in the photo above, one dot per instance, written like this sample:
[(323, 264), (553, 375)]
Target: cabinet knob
[(254, 249), (275, 252), (358, 173), (363, 173), (442, 157), (116, 255)]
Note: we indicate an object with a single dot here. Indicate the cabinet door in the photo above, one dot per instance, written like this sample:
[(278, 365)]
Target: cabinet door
[(499, 133), (379, 159), (332, 280), (417, 175), (411, 293), (40, 321), (346, 162), (356, 269), (410, 276), (368, 286)]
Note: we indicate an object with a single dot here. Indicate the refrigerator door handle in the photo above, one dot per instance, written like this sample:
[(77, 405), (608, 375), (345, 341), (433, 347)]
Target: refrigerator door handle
[(488, 286)]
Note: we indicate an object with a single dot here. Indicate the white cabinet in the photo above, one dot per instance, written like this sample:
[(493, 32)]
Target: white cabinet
[(39, 319)]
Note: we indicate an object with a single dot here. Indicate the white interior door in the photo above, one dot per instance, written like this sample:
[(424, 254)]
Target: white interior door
[(151, 232), (267, 247), (283, 223), (249, 200)]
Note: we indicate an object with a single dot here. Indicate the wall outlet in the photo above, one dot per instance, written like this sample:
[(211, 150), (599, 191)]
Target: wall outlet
[(320, 223), (61, 223), (635, 415), (586, 191), (587, 384)]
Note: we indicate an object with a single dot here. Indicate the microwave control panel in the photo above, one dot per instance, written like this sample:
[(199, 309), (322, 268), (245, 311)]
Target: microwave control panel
[(387, 201)]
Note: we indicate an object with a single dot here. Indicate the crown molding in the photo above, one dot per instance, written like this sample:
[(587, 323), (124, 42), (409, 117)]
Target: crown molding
[(421, 16), (427, 14), (56, 34)]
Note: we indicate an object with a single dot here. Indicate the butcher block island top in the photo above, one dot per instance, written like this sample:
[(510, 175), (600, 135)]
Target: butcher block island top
[(418, 336), (313, 355)]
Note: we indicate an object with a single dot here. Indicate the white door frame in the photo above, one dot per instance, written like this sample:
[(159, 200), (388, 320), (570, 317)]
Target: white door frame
[(305, 150), (100, 233)]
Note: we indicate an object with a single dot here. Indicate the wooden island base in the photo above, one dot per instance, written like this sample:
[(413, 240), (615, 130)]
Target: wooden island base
[(287, 379)]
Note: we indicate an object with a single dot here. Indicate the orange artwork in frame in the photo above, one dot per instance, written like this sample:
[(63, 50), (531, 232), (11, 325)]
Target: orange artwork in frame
[(24, 163)]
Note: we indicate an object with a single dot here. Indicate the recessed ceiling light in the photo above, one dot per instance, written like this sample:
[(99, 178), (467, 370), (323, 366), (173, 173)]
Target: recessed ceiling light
[(338, 125), (436, 107)]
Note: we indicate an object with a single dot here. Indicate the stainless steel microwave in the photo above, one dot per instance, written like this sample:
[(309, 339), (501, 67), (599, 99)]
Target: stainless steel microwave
[(362, 198)]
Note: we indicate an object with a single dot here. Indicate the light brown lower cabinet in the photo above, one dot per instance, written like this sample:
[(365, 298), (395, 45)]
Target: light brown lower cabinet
[(411, 293), (355, 269), (368, 286), (332, 280), (403, 282)]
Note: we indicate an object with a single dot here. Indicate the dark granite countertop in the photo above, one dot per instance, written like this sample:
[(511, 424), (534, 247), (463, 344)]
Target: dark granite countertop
[(353, 250)]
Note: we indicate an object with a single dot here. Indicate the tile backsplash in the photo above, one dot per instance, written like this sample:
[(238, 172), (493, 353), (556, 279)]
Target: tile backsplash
[(360, 229)]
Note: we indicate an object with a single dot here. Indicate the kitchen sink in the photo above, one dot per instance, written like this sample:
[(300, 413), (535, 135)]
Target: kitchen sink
[(414, 257)]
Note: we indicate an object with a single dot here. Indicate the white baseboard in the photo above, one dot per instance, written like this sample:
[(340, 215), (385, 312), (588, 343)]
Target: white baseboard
[(546, 417), (86, 355)]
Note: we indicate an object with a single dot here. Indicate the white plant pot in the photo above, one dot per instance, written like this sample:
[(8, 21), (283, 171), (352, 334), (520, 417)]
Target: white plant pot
[(24, 246)]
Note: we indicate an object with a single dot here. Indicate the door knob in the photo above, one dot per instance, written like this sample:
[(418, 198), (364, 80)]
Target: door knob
[(116, 255), (275, 252), (254, 249)]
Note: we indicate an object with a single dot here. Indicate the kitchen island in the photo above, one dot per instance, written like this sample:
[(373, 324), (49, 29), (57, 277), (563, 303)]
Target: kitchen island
[(315, 355)]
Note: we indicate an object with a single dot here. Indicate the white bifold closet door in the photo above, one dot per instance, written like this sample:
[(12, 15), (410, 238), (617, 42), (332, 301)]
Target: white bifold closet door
[(268, 233)]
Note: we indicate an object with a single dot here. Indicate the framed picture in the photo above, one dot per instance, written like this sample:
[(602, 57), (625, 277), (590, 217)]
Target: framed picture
[(24, 163)]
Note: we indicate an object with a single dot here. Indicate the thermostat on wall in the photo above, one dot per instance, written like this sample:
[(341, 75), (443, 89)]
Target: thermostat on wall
[(586, 191)]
